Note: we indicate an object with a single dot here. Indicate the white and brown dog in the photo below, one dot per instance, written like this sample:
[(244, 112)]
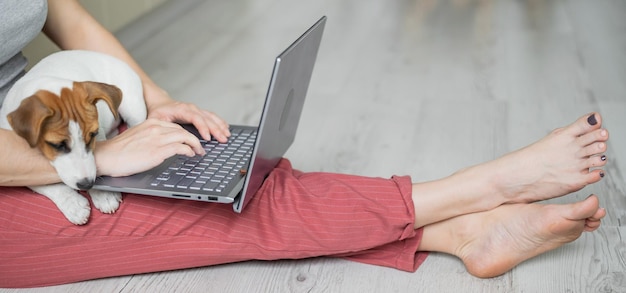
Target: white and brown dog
[(62, 106)]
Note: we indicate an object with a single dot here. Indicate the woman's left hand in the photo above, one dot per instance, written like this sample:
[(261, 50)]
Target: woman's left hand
[(163, 107)]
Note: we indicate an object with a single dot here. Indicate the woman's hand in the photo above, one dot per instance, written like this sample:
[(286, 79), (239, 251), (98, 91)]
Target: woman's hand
[(159, 137), (161, 106), (143, 147), (207, 123)]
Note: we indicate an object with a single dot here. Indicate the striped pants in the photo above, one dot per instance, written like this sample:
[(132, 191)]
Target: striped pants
[(295, 215)]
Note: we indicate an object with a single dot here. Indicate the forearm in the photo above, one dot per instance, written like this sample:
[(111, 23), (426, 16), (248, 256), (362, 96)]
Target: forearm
[(21, 165)]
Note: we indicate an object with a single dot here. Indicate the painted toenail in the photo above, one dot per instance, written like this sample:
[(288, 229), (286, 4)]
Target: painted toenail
[(592, 119), (603, 158), (601, 174)]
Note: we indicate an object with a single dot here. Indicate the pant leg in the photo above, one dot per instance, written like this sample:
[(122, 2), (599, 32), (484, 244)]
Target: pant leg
[(295, 215)]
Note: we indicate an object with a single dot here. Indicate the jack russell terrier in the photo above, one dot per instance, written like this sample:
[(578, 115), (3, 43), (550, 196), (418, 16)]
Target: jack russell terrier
[(62, 106)]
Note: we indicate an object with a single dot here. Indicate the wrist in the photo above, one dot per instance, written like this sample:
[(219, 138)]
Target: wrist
[(103, 161), (154, 95)]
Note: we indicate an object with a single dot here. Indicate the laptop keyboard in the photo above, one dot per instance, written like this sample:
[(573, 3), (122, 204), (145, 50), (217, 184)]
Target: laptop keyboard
[(214, 171)]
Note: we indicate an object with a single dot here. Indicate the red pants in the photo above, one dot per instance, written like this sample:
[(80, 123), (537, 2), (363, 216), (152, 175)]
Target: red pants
[(294, 215)]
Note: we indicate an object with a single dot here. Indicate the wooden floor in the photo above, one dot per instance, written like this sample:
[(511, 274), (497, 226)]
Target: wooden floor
[(420, 88)]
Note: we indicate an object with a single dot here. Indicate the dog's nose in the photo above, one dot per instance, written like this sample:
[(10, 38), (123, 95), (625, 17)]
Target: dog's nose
[(85, 184)]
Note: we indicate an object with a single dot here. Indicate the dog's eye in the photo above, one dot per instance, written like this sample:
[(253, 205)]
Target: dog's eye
[(59, 147), (92, 135)]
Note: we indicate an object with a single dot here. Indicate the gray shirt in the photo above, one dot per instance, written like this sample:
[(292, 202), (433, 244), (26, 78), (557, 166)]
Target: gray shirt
[(20, 22)]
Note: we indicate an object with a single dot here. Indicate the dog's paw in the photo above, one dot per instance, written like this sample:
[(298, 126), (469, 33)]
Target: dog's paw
[(75, 208), (72, 204), (106, 201)]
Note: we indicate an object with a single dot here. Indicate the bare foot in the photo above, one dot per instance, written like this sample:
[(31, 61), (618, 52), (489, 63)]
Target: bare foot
[(558, 164), (493, 242), (564, 161)]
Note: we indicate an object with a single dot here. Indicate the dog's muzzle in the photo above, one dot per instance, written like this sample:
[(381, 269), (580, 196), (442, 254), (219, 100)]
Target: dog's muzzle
[(85, 184)]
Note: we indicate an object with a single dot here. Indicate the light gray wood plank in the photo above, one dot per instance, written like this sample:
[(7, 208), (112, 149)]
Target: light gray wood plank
[(97, 286), (594, 263)]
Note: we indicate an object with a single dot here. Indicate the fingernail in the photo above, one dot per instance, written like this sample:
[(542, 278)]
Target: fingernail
[(603, 158), (592, 119), (601, 174)]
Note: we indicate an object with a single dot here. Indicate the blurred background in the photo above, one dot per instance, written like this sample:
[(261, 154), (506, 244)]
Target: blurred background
[(113, 14)]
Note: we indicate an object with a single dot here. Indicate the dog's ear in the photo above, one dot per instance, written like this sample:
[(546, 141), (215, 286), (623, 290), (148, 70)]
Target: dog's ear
[(28, 119), (96, 91)]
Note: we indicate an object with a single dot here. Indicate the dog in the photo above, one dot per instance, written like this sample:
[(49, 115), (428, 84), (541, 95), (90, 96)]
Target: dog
[(62, 106)]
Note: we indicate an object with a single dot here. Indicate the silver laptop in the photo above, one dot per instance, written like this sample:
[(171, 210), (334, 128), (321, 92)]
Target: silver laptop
[(233, 172)]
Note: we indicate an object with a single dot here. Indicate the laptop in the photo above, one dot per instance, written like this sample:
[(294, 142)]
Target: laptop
[(233, 172)]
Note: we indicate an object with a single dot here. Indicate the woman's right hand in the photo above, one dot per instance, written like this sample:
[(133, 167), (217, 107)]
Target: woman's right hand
[(143, 147)]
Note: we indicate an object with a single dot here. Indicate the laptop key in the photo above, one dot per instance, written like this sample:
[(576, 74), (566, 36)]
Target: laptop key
[(196, 186), (210, 186), (185, 182), (172, 180)]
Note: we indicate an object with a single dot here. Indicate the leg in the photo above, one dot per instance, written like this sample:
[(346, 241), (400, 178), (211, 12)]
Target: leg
[(493, 242), (558, 164), (294, 215)]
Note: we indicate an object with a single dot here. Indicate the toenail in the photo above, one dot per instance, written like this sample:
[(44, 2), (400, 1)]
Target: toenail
[(592, 119), (601, 174), (603, 158)]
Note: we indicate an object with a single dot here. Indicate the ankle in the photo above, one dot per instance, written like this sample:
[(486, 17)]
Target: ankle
[(483, 184), (449, 236)]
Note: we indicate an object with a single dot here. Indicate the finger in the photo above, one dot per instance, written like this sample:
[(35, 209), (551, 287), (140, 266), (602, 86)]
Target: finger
[(166, 133), (209, 124), (184, 137), (178, 149), (218, 127)]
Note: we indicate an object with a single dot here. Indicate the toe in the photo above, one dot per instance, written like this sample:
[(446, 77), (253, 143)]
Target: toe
[(582, 210), (594, 176), (595, 161), (592, 223), (598, 216), (597, 135), (592, 149), (585, 124), (592, 226)]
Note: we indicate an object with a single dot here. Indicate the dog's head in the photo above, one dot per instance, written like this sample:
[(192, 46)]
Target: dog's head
[(64, 127)]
